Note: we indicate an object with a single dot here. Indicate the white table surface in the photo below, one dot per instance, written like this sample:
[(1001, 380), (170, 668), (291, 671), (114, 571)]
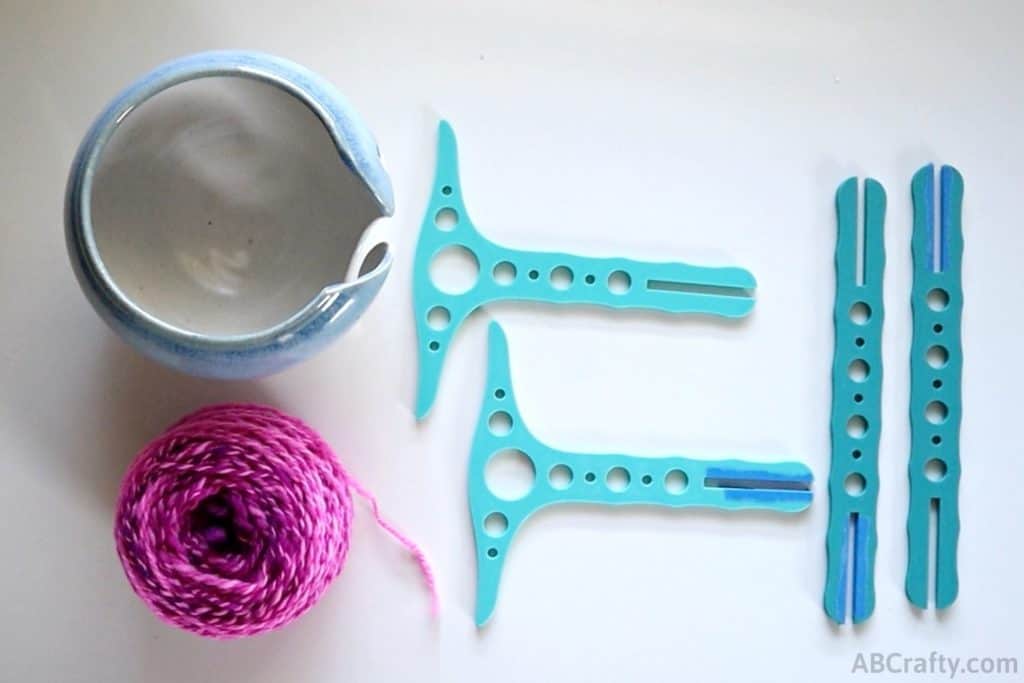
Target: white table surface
[(708, 132)]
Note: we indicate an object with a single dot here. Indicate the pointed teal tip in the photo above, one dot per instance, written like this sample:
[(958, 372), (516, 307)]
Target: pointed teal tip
[(926, 170), (483, 616), (445, 132), (495, 334)]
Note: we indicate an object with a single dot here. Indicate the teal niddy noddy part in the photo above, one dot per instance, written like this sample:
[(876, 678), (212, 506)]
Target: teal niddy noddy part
[(936, 361), (504, 274), (564, 477), (856, 422)]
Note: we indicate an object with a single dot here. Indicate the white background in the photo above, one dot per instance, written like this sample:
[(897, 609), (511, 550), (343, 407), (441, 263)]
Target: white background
[(713, 134)]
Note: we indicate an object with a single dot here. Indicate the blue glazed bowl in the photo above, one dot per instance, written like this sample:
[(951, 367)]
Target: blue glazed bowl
[(216, 351)]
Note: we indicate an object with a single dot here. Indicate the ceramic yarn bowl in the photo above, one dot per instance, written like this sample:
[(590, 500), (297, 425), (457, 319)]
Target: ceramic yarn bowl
[(209, 283)]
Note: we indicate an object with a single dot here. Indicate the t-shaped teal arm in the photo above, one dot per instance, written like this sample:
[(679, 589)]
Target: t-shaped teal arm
[(563, 477), (505, 274)]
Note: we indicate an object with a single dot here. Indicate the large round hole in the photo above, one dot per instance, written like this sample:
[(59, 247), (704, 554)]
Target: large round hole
[(495, 524), (454, 270), (937, 356), (935, 470), (617, 479), (561, 278), (857, 426), (438, 318), (855, 484), (500, 423), (510, 474), (858, 370), (938, 299), (446, 219), (676, 482), (560, 477), (936, 412), (504, 273), (860, 313), (619, 282)]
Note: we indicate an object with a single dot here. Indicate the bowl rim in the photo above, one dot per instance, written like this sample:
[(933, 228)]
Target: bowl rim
[(355, 143)]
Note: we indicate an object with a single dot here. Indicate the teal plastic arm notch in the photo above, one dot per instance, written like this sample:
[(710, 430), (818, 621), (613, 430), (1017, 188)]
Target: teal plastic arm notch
[(856, 403), (505, 274), (563, 477), (935, 366)]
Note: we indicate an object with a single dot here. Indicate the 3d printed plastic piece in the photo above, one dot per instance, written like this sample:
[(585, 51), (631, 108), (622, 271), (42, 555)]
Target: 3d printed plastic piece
[(512, 274), (935, 366), (856, 403), (562, 477)]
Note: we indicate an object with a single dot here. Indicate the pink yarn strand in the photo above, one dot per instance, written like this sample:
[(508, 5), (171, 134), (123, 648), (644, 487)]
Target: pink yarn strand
[(417, 553)]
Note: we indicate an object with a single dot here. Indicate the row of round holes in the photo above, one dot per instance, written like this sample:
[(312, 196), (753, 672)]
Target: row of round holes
[(936, 412), (500, 424), (561, 277), (560, 478), (504, 272), (858, 371)]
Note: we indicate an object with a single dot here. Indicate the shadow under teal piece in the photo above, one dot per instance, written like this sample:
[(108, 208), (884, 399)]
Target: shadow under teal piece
[(506, 274), (856, 403), (564, 477), (936, 361)]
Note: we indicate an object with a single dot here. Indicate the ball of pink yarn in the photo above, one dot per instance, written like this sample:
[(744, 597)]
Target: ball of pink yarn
[(234, 521)]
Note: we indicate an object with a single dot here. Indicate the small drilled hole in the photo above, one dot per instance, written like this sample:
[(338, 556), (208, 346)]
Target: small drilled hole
[(434, 346), (560, 477), (859, 341), (561, 278), (858, 398), (937, 328), (446, 219), (619, 282), (499, 394), (504, 273), (496, 524), (446, 190), (590, 279), (617, 479), (676, 482), (855, 484), (937, 356), (857, 426), (938, 299), (500, 423), (590, 477), (936, 412), (534, 274), (936, 439), (860, 313), (856, 454), (647, 480), (937, 383), (492, 552), (935, 470), (858, 370), (438, 318)]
